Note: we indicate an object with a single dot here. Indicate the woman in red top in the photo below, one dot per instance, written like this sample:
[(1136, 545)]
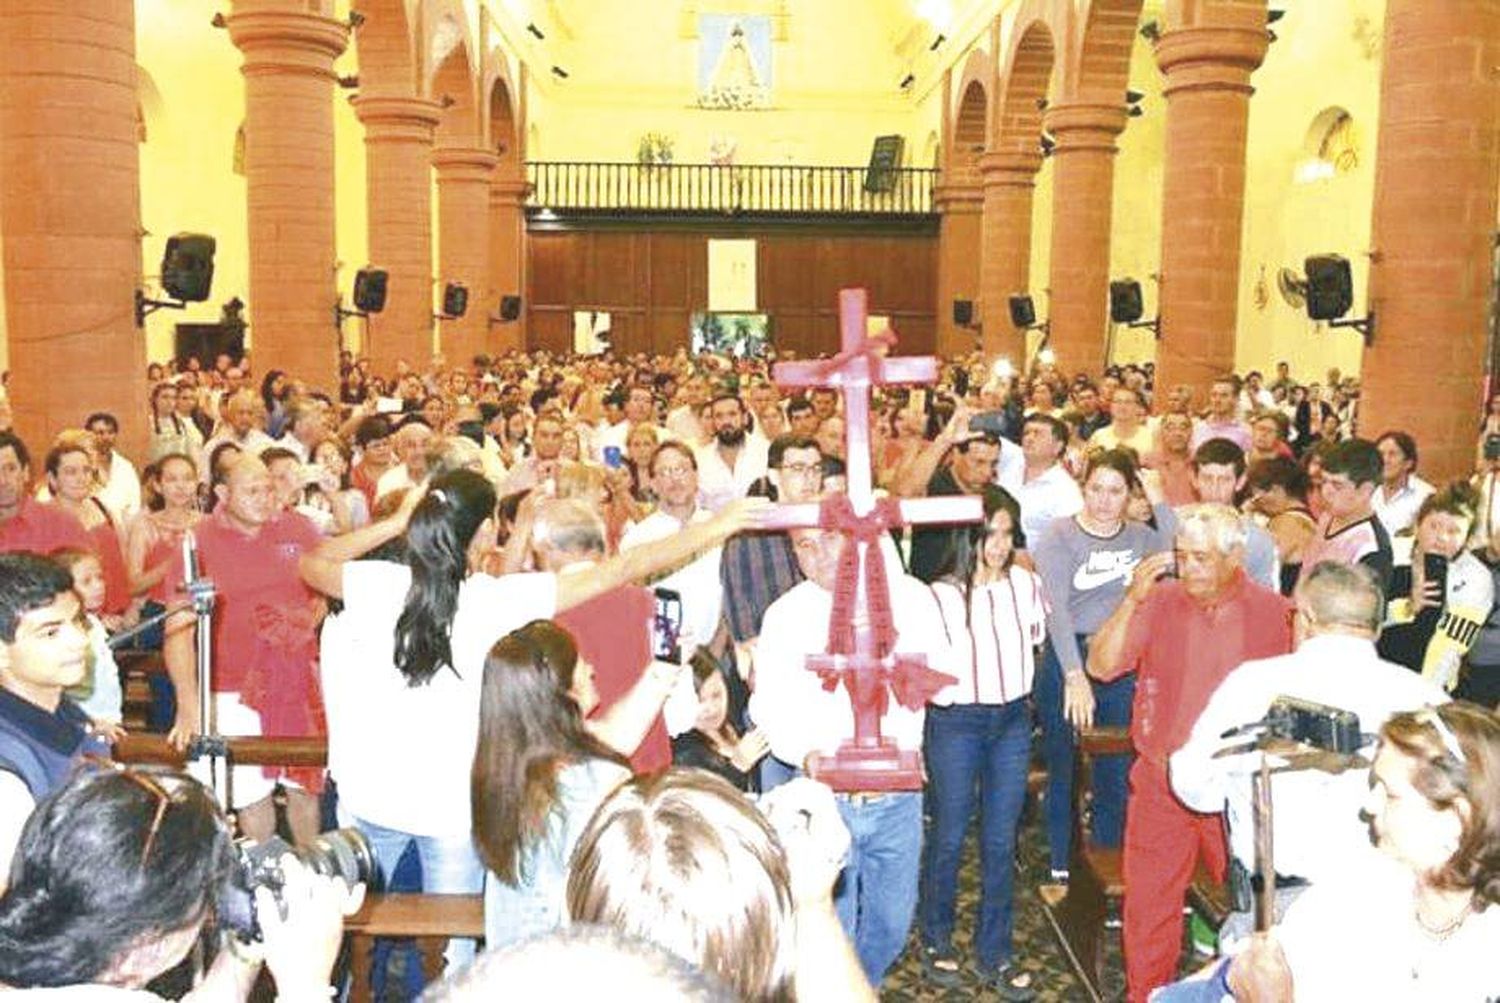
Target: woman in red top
[(72, 479)]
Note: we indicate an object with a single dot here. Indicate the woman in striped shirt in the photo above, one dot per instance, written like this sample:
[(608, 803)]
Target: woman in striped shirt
[(994, 617)]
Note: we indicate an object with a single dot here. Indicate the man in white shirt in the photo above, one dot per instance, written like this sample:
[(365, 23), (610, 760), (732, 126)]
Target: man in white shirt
[(674, 478), (1221, 421), (241, 412), (734, 459), (306, 426), (1401, 492), (640, 407), (877, 898), (411, 441), (1043, 487), (1316, 814), (121, 493), (1127, 427)]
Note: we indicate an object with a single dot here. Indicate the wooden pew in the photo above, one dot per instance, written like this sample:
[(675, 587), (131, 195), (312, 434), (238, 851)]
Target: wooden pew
[(1096, 873)]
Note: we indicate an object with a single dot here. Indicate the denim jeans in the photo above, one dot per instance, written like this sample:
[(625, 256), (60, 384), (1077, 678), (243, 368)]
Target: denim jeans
[(1112, 704), (450, 866), (973, 748), (876, 896)]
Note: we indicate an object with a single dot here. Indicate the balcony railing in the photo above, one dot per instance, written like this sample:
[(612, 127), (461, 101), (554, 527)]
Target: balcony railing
[(729, 189)]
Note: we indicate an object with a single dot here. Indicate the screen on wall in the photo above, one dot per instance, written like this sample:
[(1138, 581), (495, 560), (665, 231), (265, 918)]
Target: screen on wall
[(743, 335)]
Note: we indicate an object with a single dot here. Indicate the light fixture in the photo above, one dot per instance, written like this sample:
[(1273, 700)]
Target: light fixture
[(1041, 104), (219, 21), (937, 42), (1135, 111), (356, 19), (531, 27), (1273, 15), (559, 72), (1151, 32), (1048, 145), (349, 82), (1134, 97), (908, 80)]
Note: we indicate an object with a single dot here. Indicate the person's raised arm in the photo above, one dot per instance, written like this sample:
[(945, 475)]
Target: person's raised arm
[(911, 480), (323, 569), (640, 563), (1107, 651)]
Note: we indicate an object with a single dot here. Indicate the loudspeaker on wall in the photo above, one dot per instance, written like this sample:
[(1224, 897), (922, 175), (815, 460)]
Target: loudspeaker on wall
[(369, 290), (963, 312), (1022, 311), (1125, 301), (510, 307), (1330, 286), (187, 266), (455, 299)]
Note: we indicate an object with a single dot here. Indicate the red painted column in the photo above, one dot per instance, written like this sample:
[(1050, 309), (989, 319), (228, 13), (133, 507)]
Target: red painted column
[(289, 48), (507, 257), (1437, 160), (463, 183), (958, 260), (1083, 180), (1203, 192), (1009, 181), (70, 215), (398, 175)]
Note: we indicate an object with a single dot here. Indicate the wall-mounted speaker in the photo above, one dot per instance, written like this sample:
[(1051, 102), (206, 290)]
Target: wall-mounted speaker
[(187, 267), (369, 290), (1022, 311), (963, 312), (1330, 286), (510, 307), (455, 299), (1125, 303)]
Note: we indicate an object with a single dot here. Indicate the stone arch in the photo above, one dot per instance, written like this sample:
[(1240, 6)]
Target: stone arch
[(1027, 77), (1109, 37), (150, 109), (453, 86), (969, 127), (505, 119), (386, 47)]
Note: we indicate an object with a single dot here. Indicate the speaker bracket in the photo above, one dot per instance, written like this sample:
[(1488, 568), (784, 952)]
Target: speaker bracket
[(1364, 325), (340, 312), (145, 307), (1153, 325)]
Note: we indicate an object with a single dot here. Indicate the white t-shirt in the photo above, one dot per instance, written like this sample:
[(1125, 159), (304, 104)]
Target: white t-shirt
[(402, 754), (697, 582)]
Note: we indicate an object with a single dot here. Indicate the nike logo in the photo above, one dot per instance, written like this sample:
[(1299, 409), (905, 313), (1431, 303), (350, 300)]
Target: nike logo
[(1103, 567)]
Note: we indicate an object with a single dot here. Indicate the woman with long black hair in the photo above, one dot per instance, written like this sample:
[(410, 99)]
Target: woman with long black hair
[(403, 663)]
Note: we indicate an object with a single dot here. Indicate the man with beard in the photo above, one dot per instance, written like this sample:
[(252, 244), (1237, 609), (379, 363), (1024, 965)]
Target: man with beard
[(734, 460)]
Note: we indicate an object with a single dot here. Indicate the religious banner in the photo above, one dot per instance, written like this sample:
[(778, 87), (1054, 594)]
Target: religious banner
[(731, 276), (734, 61)]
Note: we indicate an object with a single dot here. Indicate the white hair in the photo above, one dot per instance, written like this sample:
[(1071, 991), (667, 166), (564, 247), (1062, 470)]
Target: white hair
[(1221, 525)]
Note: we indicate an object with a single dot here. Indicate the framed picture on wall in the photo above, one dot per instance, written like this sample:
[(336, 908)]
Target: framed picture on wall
[(742, 335)]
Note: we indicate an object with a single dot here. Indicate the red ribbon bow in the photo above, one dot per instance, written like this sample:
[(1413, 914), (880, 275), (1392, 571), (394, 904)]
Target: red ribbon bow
[(837, 513)]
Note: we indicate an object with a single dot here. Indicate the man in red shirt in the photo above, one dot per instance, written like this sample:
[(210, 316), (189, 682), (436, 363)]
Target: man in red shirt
[(265, 642), (25, 523), (1182, 636)]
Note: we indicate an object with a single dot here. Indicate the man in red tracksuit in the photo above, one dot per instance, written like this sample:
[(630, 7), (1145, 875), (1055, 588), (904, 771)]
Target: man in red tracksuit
[(1181, 636)]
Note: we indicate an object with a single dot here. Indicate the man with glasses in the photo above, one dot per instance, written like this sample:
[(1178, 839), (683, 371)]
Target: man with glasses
[(1348, 531), (1318, 832), (44, 649)]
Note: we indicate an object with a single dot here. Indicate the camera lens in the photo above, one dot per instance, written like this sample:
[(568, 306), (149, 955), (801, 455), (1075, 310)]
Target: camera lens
[(340, 853)]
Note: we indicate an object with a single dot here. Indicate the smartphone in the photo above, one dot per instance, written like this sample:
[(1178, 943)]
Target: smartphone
[(666, 626), (1435, 569), (388, 405), (614, 459)]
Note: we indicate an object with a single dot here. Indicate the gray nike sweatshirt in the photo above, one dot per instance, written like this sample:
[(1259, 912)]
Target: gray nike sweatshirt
[(1084, 578)]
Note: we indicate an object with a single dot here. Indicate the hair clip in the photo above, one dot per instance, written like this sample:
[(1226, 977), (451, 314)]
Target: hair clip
[(437, 493)]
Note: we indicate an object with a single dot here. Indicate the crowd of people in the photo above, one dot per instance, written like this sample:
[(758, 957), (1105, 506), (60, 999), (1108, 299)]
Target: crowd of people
[(559, 657)]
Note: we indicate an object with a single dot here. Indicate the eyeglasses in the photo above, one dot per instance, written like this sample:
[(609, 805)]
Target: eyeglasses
[(146, 782), (802, 469), (675, 473), (1430, 716)]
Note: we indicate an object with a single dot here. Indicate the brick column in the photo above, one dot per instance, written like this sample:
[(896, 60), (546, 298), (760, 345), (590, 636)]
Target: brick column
[(958, 260), (1083, 185), (1208, 92), (507, 259), (289, 165), (1009, 180), (1437, 159), (70, 214), (398, 173), (463, 184)]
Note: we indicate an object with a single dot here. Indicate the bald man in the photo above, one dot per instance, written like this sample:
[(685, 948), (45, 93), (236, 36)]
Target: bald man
[(264, 642)]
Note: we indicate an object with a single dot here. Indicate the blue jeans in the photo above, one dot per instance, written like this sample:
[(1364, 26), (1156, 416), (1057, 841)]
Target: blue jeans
[(450, 866), (969, 748), (876, 896), (1112, 704)]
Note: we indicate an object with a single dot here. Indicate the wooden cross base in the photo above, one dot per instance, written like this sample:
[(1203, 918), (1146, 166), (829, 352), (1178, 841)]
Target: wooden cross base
[(881, 767)]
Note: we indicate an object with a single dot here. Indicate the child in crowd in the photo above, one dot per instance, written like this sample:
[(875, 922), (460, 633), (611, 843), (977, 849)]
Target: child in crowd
[(99, 695)]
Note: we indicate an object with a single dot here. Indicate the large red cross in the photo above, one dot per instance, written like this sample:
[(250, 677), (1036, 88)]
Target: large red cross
[(861, 629)]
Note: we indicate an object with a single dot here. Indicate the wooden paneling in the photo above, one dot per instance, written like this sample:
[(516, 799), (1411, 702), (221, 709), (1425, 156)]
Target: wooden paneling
[(651, 281)]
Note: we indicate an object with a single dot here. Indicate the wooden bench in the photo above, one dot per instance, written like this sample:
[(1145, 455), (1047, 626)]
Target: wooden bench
[(430, 920), (1096, 876)]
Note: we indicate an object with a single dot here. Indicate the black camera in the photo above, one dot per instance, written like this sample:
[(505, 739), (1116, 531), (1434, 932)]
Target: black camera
[(1315, 724), (340, 853)]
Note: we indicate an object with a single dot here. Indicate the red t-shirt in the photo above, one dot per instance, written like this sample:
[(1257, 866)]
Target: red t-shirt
[(1181, 651), (613, 632), (41, 528), (104, 540)]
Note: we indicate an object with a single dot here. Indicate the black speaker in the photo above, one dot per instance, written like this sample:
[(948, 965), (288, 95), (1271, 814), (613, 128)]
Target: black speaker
[(1022, 311), (455, 299), (1125, 304), (963, 312), (510, 307), (187, 267), (369, 290), (1330, 286)]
